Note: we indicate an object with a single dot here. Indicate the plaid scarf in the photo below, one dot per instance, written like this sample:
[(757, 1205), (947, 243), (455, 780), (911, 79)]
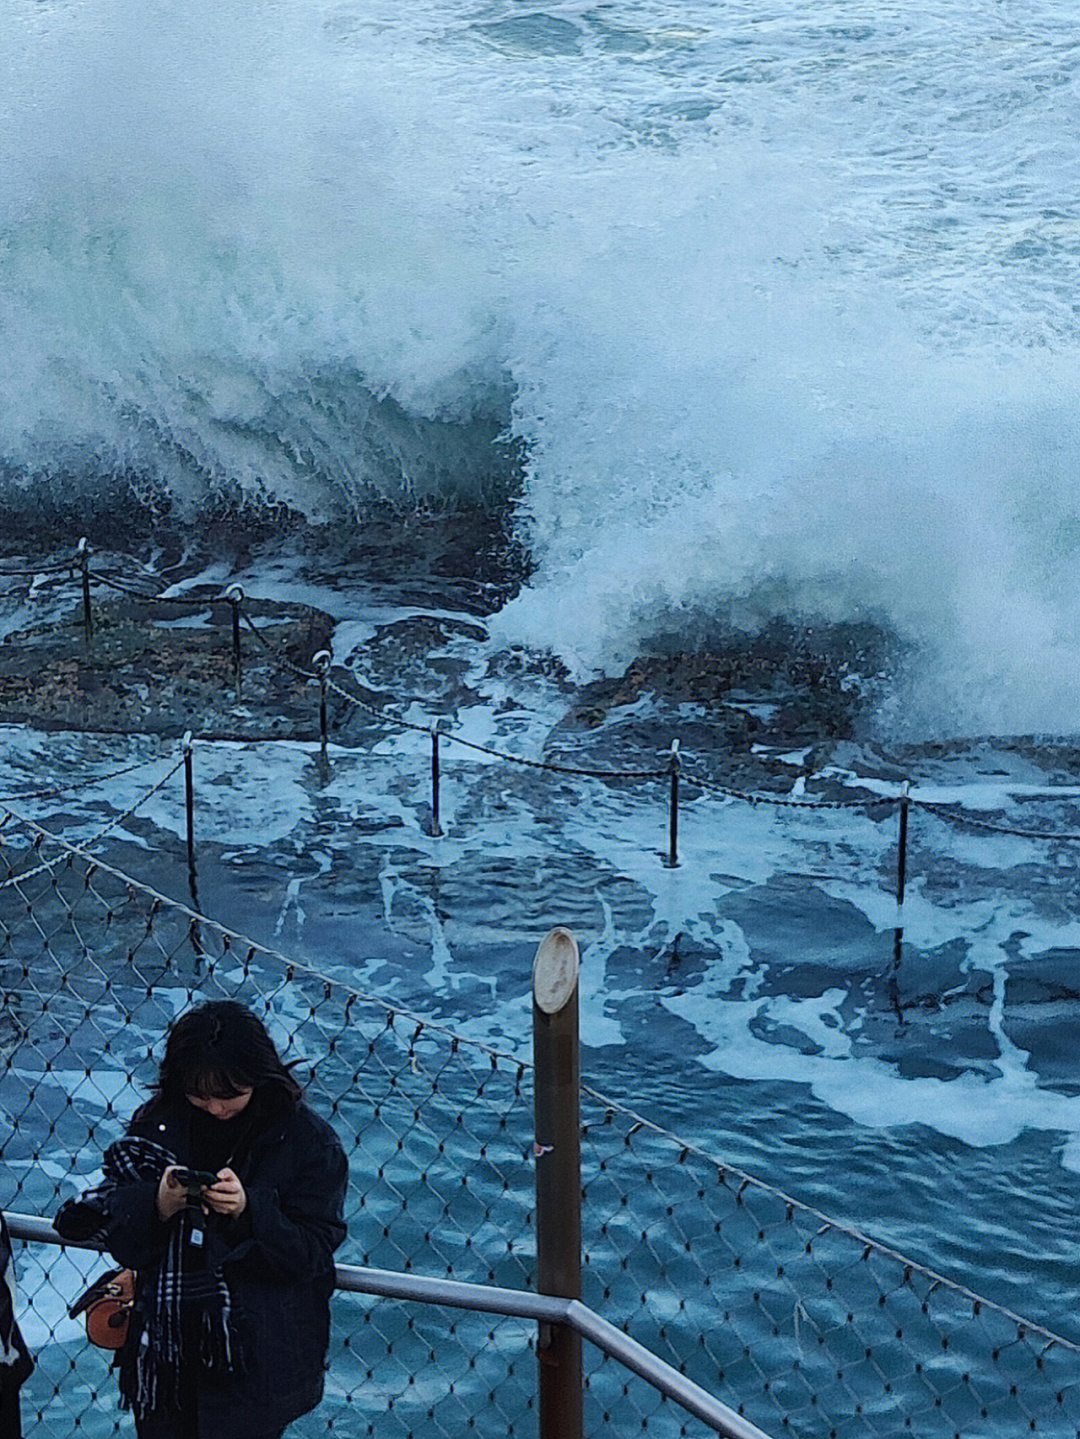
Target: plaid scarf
[(178, 1304)]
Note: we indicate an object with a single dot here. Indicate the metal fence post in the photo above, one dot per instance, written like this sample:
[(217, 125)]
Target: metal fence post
[(901, 874), (674, 764), (82, 555), (436, 828), (557, 1151), (187, 745), (235, 595), (321, 661)]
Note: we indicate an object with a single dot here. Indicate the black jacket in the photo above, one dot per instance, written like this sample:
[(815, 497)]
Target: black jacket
[(277, 1259), (15, 1361)]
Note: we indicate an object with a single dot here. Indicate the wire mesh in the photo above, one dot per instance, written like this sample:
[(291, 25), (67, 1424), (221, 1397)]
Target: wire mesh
[(801, 1324), (94, 968)]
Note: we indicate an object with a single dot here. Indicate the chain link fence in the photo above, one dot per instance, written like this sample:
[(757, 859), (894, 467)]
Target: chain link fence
[(800, 1323)]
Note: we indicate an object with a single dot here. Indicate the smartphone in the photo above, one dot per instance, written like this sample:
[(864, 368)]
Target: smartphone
[(194, 1178)]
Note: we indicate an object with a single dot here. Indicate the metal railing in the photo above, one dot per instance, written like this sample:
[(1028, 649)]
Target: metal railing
[(542, 1309)]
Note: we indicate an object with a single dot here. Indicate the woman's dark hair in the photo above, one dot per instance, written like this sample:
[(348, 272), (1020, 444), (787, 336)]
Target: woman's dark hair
[(218, 1049)]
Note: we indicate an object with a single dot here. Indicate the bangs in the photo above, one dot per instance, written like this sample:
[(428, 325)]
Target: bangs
[(221, 1050), (215, 1084)]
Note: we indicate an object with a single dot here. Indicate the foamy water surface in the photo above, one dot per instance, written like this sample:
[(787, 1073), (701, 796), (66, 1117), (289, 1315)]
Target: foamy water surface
[(747, 999)]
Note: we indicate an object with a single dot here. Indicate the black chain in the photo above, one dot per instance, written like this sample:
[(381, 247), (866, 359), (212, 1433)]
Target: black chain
[(75, 784), (99, 577), (792, 801), (552, 767), (958, 817), (58, 568), (298, 670)]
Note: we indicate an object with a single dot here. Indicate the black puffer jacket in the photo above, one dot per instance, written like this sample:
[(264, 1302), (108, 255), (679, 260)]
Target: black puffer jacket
[(277, 1260)]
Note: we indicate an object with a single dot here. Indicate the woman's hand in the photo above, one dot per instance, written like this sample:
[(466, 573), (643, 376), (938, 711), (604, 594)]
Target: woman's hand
[(227, 1195), (171, 1195)]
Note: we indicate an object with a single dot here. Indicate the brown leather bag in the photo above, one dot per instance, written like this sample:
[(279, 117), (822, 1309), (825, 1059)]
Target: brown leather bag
[(107, 1304)]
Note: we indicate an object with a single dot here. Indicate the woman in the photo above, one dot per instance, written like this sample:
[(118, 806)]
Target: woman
[(234, 1265)]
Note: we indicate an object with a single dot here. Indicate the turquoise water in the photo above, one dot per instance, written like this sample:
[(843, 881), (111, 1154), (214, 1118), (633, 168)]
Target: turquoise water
[(747, 1000), (933, 1108)]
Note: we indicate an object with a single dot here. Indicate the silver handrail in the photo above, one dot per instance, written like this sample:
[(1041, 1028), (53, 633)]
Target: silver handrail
[(514, 1304)]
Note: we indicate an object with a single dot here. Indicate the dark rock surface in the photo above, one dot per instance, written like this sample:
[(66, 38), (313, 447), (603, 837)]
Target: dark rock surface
[(153, 666), (159, 668)]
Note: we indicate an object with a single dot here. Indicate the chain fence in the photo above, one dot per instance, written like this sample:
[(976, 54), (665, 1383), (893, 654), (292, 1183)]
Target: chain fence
[(800, 1323), (871, 796)]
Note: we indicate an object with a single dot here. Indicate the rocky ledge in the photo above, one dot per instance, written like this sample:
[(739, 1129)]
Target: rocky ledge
[(159, 667), (152, 667)]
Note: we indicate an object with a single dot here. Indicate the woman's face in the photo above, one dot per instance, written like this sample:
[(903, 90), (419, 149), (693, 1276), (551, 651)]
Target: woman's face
[(222, 1107)]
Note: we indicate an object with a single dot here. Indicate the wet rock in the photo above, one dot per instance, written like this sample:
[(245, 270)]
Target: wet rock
[(742, 712), (149, 669)]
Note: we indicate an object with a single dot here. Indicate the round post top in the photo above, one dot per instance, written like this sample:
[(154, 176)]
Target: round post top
[(555, 970)]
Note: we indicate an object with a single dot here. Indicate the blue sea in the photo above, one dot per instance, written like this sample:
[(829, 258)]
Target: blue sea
[(725, 317)]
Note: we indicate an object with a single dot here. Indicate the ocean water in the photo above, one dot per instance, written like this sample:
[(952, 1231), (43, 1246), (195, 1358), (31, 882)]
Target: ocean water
[(726, 314), (741, 309)]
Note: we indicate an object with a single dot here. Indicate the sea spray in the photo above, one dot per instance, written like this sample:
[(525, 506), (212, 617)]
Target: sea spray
[(740, 314)]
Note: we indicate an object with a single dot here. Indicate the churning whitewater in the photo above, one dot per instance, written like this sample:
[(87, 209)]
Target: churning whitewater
[(742, 312)]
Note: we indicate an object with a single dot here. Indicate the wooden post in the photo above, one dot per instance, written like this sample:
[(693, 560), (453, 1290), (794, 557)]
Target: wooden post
[(557, 1151), (235, 595), (82, 555), (673, 824)]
